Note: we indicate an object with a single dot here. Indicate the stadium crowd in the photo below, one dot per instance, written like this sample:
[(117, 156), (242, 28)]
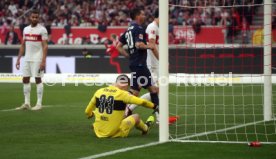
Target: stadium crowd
[(104, 13), (115, 12), (75, 12)]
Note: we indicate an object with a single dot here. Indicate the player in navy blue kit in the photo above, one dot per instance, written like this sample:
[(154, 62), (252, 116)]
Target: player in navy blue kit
[(135, 38)]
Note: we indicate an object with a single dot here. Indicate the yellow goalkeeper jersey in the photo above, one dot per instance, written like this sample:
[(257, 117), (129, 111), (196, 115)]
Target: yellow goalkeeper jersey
[(108, 106)]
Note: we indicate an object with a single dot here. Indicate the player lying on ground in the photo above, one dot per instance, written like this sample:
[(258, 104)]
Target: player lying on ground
[(108, 106)]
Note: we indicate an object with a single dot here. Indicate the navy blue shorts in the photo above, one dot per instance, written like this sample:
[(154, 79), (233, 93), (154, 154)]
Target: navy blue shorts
[(140, 77)]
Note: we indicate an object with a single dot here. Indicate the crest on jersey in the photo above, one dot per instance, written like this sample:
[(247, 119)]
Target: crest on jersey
[(141, 36), (153, 32)]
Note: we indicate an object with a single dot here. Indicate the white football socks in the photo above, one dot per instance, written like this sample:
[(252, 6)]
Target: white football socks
[(144, 96), (147, 97), (27, 92), (39, 91)]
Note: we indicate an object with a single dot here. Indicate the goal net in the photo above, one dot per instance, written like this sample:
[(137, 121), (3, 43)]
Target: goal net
[(220, 71)]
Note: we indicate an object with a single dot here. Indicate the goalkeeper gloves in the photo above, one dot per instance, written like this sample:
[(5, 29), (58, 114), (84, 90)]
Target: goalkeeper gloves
[(91, 116)]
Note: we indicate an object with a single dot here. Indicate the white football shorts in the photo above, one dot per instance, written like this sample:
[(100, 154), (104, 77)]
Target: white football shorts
[(32, 69)]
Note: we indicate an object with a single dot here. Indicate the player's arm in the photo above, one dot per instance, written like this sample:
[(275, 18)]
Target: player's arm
[(139, 41), (155, 50), (44, 49), (20, 54), (121, 43), (141, 45), (152, 40), (120, 48), (131, 99), (90, 107)]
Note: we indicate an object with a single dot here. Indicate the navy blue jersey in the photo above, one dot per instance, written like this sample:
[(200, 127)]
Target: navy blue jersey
[(135, 33)]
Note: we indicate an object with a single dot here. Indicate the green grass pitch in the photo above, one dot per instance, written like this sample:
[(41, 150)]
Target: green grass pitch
[(61, 130)]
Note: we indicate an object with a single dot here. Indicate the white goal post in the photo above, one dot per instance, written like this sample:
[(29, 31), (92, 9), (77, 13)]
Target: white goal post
[(164, 70), (267, 60), (251, 120)]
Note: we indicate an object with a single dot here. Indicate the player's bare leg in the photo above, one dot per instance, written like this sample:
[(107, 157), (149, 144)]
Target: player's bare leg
[(154, 98), (39, 91), (139, 124), (27, 92), (146, 96)]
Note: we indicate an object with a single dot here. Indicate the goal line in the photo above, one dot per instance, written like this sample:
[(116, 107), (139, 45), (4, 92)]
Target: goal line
[(186, 138)]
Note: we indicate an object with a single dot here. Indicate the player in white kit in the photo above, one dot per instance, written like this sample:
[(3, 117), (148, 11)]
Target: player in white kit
[(35, 46), (152, 32)]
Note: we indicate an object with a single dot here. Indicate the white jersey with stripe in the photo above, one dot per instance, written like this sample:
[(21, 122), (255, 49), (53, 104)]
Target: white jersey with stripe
[(33, 37), (152, 32)]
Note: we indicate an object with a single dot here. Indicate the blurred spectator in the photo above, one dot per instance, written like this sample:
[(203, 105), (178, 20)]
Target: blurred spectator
[(49, 31), (6, 26), (86, 54), (225, 17), (258, 37), (88, 13), (274, 27), (22, 25), (113, 52), (104, 13), (231, 30), (245, 31), (67, 30), (11, 37), (171, 38), (13, 8), (78, 13), (197, 27), (86, 40), (274, 21), (249, 11), (102, 25), (50, 41), (110, 45), (237, 18)]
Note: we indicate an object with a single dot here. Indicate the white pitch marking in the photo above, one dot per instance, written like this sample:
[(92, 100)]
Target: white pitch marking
[(44, 106), (220, 130), (49, 106), (121, 150), (8, 110)]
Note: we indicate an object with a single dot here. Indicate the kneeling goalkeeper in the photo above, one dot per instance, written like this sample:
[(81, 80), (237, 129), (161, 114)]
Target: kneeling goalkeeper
[(108, 106)]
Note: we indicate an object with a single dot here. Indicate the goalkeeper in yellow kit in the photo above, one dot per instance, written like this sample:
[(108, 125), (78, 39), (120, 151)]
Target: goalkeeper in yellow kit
[(108, 106)]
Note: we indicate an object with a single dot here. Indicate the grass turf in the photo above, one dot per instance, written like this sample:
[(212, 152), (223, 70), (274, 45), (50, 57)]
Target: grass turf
[(61, 130)]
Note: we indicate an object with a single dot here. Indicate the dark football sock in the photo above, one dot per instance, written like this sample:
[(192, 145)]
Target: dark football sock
[(154, 98)]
